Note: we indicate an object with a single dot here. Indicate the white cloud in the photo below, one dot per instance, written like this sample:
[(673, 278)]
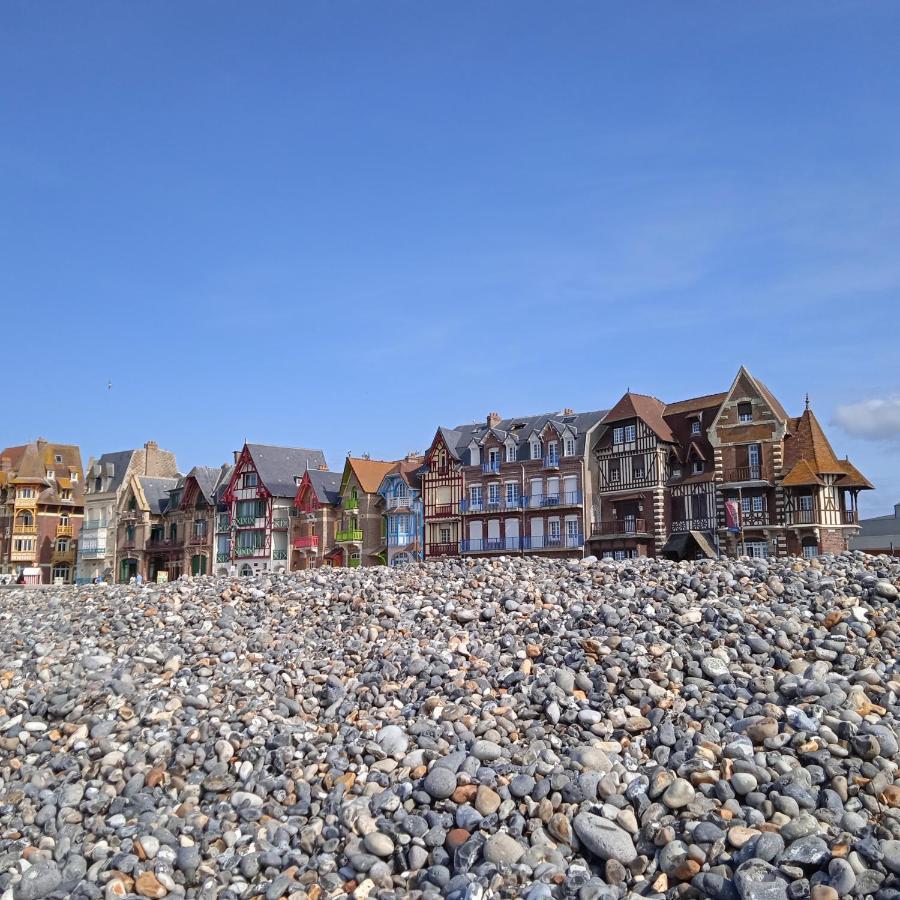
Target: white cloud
[(877, 419)]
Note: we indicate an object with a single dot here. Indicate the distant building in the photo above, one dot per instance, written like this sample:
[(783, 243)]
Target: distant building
[(255, 508), (517, 485), (880, 534), (41, 510), (361, 538), (315, 515), (105, 481), (401, 492), (142, 547)]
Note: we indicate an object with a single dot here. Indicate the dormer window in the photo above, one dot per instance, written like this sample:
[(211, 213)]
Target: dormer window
[(535, 449), (745, 412), (697, 467), (73, 476), (51, 475), (510, 452), (475, 455), (250, 480), (58, 459), (695, 426), (569, 446), (676, 472)]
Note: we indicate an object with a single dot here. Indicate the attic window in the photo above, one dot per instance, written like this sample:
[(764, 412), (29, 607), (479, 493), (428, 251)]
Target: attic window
[(568, 418), (517, 426), (695, 425), (51, 475), (745, 412), (297, 480), (58, 458)]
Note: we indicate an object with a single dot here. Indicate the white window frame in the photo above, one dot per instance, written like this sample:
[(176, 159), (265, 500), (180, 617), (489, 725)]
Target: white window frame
[(536, 449), (638, 468), (695, 426), (493, 498), (510, 453), (757, 503), (630, 434), (810, 551), (806, 503), (618, 435), (697, 467), (569, 446), (553, 451), (745, 417), (475, 455), (73, 477), (444, 530), (676, 472), (745, 505), (512, 493), (493, 457), (476, 496), (756, 549)]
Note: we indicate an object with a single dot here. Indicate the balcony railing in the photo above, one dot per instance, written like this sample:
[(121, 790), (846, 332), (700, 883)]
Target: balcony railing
[(747, 473), (551, 462), (128, 544), (353, 563), (93, 525), (706, 523), (244, 552), (623, 526), (537, 501), (443, 510), (443, 549), (223, 523), (249, 521), (166, 544), (19, 528), (21, 555), (401, 538), (522, 542), (64, 556), (491, 467), (311, 542), (129, 515), (757, 519), (349, 535), (351, 503), (803, 516), (26, 503), (92, 551), (223, 557), (399, 502), (281, 524), (849, 517), (65, 530), (279, 554), (199, 538)]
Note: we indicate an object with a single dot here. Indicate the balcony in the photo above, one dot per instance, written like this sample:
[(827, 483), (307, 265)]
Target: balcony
[(280, 524), (849, 517), (158, 546), (442, 550), (250, 521), (747, 474), (223, 557), (65, 530), (197, 539), (349, 536), (401, 539), (63, 556), (803, 516), (19, 528), (707, 523), (21, 555), (93, 525), (399, 502), (223, 523), (92, 550), (443, 511), (311, 542), (244, 552), (566, 498), (489, 545), (492, 467), (553, 542), (279, 554), (758, 519), (128, 544), (129, 515), (351, 503), (629, 525), (26, 503), (551, 462)]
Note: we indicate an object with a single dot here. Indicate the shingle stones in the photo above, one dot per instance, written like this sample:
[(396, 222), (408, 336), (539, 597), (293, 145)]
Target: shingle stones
[(466, 728)]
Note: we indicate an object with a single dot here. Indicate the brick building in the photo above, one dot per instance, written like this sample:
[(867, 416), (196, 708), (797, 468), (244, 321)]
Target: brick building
[(41, 510)]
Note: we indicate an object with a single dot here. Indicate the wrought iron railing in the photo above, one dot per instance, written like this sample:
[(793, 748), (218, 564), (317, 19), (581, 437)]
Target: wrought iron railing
[(623, 526)]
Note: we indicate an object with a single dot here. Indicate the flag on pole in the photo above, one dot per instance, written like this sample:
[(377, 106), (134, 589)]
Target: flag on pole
[(732, 516)]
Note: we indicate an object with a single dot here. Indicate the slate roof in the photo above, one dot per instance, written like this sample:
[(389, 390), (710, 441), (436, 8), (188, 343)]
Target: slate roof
[(648, 409), (119, 460), (459, 437), (156, 491), (207, 477), (278, 466), (326, 486)]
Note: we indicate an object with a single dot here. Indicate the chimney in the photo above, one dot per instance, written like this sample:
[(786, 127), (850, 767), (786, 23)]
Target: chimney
[(493, 419), (237, 455), (323, 467), (568, 411)]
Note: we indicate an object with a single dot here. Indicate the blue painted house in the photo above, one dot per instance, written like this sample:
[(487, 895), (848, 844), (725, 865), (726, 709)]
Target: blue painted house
[(401, 490)]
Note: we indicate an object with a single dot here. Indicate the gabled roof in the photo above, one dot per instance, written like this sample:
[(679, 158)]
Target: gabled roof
[(648, 409), (801, 474), (368, 472), (326, 486), (116, 465), (694, 404), (278, 466), (407, 470)]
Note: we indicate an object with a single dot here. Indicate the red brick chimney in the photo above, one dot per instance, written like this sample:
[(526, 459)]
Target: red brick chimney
[(493, 419)]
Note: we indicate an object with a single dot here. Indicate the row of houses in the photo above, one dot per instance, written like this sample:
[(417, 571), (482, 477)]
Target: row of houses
[(726, 473)]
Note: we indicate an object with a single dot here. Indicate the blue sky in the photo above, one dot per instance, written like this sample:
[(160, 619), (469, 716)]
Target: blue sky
[(341, 224)]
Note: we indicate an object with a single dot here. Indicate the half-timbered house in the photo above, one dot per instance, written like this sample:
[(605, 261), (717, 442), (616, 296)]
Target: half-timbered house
[(259, 499), (143, 545), (315, 517)]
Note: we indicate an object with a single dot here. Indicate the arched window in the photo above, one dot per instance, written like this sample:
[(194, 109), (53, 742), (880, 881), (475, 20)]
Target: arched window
[(62, 572), (246, 569), (25, 518)]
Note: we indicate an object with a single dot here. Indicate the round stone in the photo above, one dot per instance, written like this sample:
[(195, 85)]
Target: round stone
[(440, 782)]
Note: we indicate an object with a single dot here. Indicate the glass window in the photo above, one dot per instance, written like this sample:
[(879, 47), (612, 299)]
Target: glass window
[(512, 493), (745, 412), (695, 426), (757, 504), (697, 467), (570, 446), (810, 551), (630, 433), (618, 435), (510, 453), (535, 449), (745, 504), (494, 493)]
